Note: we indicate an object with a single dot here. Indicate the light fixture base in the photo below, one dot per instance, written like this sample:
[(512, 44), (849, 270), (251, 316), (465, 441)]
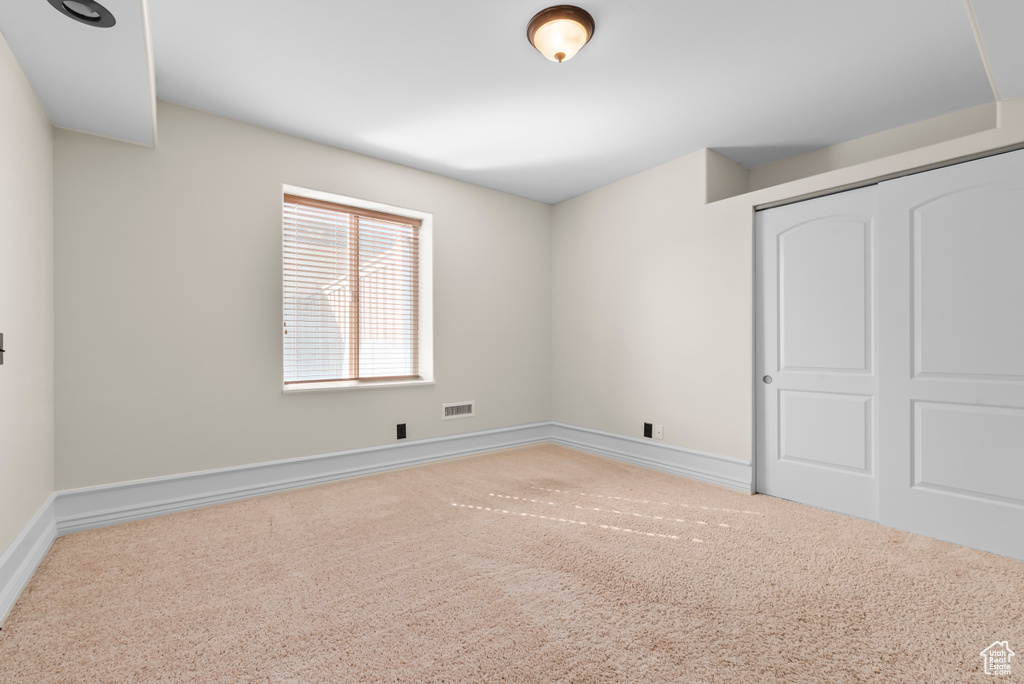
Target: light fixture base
[(559, 32), (88, 12)]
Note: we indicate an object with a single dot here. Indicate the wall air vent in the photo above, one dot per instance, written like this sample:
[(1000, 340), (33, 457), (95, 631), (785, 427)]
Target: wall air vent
[(462, 409)]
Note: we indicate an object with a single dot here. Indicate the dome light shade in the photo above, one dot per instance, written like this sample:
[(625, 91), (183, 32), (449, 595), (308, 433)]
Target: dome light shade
[(559, 32)]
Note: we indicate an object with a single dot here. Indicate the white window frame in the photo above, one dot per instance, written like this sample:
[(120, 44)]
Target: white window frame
[(426, 293)]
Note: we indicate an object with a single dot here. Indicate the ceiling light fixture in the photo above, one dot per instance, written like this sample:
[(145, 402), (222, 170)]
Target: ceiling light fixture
[(559, 32), (86, 11)]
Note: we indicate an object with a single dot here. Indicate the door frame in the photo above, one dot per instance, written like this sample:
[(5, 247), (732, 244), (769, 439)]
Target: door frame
[(755, 274)]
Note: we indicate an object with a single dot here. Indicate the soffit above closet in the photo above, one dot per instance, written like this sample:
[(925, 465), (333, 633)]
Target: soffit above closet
[(1001, 23), (454, 87), (96, 80)]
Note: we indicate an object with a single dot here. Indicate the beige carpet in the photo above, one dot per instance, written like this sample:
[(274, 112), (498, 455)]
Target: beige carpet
[(533, 565)]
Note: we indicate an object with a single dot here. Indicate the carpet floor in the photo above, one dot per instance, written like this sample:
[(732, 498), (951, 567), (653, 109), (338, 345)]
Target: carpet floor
[(539, 564)]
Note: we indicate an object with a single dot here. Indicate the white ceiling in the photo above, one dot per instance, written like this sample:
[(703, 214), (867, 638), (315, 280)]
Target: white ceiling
[(453, 86)]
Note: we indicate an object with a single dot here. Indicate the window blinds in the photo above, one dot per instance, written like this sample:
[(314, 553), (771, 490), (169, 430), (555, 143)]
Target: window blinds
[(351, 293)]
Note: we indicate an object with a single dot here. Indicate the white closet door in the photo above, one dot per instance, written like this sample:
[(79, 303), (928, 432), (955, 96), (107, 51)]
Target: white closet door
[(816, 363), (951, 313)]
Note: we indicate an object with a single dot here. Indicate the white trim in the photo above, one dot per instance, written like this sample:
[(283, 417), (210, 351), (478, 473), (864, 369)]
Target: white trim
[(90, 507), (75, 510), (696, 465), (356, 202), (754, 379), (352, 384), (23, 556)]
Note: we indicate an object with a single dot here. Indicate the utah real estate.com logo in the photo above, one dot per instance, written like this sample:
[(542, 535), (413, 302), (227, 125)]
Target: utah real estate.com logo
[(997, 658)]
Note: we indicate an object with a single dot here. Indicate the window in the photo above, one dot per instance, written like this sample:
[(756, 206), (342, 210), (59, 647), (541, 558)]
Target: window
[(354, 311)]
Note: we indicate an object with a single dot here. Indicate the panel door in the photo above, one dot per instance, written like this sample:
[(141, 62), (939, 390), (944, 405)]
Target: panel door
[(951, 298), (817, 385)]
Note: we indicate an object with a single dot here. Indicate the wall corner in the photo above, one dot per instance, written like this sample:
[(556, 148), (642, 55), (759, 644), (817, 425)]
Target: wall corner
[(723, 177)]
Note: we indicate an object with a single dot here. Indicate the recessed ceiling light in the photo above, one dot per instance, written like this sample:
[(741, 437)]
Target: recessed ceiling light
[(559, 32), (86, 11)]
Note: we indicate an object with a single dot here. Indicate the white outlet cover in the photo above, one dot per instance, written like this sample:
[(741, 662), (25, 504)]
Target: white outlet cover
[(659, 432)]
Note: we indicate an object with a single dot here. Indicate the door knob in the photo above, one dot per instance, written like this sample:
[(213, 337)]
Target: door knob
[(767, 379)]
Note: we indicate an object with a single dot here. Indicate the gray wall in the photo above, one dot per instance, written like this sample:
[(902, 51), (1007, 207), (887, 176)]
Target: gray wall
[(652, 285), (168, 303), (26, 300), (630, 303), (651, 293)]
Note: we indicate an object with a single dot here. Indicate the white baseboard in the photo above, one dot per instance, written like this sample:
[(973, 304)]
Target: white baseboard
[(83, 509), (696, 465), (23, 556)]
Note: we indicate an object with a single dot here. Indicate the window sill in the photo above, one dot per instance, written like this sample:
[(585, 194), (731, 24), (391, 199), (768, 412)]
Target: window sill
[(352, 385)]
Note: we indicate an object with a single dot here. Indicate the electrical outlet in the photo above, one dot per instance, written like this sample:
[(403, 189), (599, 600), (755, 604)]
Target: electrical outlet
[(648, 429), (400, 431), (659, 432)]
